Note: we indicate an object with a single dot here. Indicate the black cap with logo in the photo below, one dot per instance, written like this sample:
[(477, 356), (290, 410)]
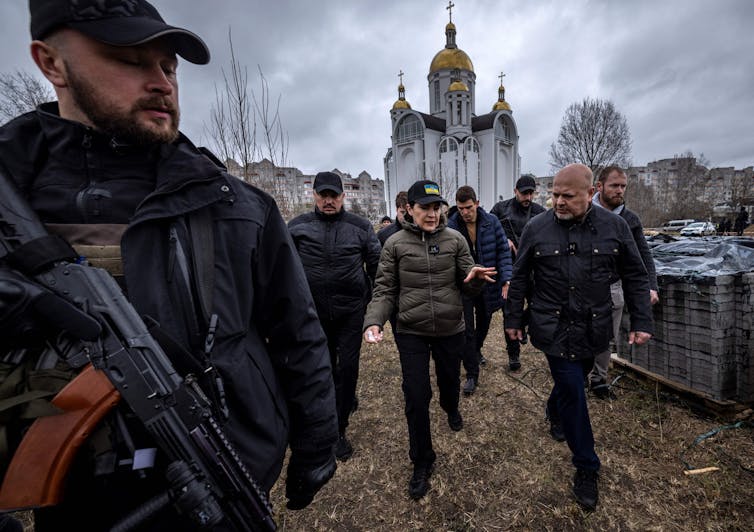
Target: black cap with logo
[(114, 22), (424, 192)]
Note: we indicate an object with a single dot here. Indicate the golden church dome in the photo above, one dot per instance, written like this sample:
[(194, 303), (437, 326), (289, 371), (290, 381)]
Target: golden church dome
[(450, 58), (501, 104), (458, 86), (401, 103)]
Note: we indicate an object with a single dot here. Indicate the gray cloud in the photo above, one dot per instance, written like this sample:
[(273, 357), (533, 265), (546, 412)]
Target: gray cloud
[(681, 71)]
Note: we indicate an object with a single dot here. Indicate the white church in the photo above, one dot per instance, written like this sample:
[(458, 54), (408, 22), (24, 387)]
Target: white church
[(451, 144)]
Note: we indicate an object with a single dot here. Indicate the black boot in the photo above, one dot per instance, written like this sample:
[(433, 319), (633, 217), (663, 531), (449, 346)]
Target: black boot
[(470, 386), (419, 483), (585, 488), (343, 448)]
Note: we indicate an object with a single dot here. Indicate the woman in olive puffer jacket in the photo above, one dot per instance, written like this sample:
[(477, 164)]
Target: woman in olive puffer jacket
[(422, 270)]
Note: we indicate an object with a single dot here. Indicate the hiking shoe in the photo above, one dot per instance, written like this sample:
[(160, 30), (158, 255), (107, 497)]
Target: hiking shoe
[(600, 389), (343, 448), (419, 483), (470, 386), (482, 360), (455, 421), (585, 488), (556, 428), (514, 364)]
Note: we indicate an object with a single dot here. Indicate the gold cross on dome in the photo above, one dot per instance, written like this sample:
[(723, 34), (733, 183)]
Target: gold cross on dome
[(400, 75), (450, 7), (501, 76)]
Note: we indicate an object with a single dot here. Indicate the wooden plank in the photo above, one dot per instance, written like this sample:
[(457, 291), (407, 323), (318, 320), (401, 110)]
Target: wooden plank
[(724, 408)]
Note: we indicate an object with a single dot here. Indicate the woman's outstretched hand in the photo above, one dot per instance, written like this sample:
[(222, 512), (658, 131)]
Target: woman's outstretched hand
[(482, 272)]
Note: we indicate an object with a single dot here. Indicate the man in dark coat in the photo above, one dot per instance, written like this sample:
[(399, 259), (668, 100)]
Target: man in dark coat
[(106, 166), (567, 261), (401, 200), (340, 253), (742, 221), (611, 187), (488, 247), (514, 213)]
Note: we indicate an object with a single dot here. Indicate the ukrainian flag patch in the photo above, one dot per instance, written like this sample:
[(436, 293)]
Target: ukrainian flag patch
[(432, 189)]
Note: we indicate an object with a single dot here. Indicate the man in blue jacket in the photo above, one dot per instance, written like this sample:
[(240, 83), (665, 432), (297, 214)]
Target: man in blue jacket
[(489, 247)]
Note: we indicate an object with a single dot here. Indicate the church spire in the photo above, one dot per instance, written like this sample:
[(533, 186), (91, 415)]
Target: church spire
[(401, 102), (450, 28), (501, 104)]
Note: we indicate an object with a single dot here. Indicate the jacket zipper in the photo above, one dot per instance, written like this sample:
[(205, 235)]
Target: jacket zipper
[(429, 277)]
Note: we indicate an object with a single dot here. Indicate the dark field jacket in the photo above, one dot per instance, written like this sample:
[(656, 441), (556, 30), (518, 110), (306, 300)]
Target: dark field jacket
[(422, 274), (641, 243), (269, 347), (566, 270), (491, 250), (513, 217), (340, 253)]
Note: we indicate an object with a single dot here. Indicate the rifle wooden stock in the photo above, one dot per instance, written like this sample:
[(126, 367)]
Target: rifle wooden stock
[(37, 473)]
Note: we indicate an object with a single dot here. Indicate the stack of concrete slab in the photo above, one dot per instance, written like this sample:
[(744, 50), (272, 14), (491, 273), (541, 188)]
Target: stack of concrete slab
[(703, 335)]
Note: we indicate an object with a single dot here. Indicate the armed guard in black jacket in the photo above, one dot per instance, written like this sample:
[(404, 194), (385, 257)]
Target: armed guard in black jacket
[(514, 213), (567, 261), (340, 253), (106, 168)]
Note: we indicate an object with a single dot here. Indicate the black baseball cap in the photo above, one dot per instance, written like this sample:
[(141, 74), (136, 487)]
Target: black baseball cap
[(328, 181), (114, 22), (424, 192), (526, 183)]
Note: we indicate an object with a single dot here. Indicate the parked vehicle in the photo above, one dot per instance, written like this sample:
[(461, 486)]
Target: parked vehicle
[(699, 229), (676, 225)]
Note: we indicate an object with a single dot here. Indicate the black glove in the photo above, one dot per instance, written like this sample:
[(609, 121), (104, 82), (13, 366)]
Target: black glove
[(30, 313), (306, 475)]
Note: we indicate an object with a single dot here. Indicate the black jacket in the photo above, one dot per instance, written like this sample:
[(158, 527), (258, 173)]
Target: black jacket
[(269, 347), (340, 253), (386, 232), (513, 217), (566, 270), (641, 243)]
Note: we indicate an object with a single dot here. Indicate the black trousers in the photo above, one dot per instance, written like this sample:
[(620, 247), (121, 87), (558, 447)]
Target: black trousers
[(344, 343), (477, 326), (415, 352), (513, 347)]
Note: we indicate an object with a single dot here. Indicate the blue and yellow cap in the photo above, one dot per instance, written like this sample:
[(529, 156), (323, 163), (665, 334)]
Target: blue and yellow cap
[(424, 192)]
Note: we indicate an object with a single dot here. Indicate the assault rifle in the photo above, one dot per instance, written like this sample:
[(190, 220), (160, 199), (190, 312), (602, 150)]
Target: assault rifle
[(208, 482)]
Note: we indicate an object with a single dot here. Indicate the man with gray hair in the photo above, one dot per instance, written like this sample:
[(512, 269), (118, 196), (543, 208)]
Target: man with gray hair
[(566, 262)]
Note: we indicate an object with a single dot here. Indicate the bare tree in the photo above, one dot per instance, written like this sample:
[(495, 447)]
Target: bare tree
[(244, 128), (594, 133), (21, 92)]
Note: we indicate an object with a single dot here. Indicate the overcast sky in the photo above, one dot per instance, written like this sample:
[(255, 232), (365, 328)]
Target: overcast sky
[(681, 71)]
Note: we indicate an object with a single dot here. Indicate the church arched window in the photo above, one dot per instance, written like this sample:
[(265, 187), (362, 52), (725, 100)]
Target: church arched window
[(504, 130), (448, 144), (410, 128), (471, 145)]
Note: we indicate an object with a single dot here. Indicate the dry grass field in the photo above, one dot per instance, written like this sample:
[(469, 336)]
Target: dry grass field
[(504, 472)]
